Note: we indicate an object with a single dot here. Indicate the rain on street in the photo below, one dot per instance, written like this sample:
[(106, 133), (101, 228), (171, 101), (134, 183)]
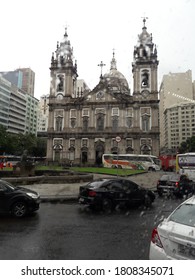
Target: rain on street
[(71, 232)]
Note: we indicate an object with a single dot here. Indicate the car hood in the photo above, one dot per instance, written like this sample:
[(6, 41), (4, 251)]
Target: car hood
[(24, 190)]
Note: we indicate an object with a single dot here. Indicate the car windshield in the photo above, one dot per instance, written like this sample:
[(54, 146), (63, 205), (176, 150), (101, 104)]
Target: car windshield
[(164, 178), (157, 161), (9, 185), (185, 215), (175, 177)]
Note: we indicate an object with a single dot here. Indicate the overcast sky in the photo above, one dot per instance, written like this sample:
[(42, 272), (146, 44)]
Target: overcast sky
[(30, 31)]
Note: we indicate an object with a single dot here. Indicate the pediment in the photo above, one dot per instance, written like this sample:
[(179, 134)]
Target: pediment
[(102, 96)]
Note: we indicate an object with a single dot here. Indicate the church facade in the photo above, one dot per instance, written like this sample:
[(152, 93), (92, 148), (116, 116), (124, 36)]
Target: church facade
[(84, 125)]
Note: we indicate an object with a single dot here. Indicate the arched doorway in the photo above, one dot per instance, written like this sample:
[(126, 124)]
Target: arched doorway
[(84, 155), (99, 151), (145, 150), (71, 155), (129, 150), (114, 150), (57, 152)]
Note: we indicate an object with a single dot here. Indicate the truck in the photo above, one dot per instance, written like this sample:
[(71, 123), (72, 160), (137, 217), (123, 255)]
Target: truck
[(168, 162)]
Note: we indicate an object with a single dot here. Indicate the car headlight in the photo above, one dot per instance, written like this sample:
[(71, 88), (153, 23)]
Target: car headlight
[(33, 195)]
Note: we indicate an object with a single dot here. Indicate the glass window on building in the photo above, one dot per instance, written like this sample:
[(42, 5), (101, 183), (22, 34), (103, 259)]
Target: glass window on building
[(100, 122)]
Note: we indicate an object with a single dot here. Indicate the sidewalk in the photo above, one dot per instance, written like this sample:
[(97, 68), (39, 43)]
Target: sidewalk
[(70, 192), (56, 192)]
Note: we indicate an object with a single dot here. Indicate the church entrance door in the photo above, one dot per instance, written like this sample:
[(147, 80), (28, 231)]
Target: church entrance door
[(98, 154)]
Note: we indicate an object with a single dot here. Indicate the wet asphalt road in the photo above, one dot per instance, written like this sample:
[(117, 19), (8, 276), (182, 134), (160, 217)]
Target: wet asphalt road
[(71, 232)]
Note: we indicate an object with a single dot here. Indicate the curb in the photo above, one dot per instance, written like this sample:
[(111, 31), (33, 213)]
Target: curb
[(66, 198), (58, 198)]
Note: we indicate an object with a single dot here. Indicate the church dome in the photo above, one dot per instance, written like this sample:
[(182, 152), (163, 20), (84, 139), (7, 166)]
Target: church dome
[(116, 80)]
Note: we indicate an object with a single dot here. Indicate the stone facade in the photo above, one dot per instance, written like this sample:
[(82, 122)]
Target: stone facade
[(84, 126)]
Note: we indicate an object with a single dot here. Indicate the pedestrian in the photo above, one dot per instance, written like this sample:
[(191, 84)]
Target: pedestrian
[(185, 184)]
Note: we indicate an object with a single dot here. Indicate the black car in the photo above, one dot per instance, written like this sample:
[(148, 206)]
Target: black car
[(163, 185), (175, 184), (107, 194), (17, 201)]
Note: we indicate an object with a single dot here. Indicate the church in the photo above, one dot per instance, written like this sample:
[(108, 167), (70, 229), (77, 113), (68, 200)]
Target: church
[(108, 119)]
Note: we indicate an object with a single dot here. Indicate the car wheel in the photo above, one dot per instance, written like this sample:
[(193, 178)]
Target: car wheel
[(19, 209), (107, 205), (151, 169), (147, 201)]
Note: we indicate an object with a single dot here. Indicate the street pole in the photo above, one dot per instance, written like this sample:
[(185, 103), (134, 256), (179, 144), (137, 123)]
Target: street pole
[(118, 139), (117, 160)]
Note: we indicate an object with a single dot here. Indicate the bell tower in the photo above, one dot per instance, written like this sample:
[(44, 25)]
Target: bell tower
[(63, 79), (62, 71), (145, 66)]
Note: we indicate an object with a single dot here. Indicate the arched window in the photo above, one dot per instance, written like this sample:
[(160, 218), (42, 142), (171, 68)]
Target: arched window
[(145, 150), (145, 123), (129, 122), (100, 122), (60, 83), (85, 123), (57, 147), (145, 78), (59, 123), (115, 123), (72, 122)]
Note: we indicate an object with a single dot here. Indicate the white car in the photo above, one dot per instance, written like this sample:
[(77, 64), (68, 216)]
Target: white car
[(174, 238)]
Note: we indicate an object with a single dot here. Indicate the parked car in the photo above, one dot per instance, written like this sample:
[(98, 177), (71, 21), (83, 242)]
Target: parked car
[(174, 238), (105, 194), (17, 201), (176, 184)]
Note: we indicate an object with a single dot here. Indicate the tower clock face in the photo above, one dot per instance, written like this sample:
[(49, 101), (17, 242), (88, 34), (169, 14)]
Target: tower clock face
[(145, 93)]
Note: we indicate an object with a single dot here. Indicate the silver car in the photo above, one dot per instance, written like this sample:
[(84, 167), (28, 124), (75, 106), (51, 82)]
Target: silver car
[(174, 238)]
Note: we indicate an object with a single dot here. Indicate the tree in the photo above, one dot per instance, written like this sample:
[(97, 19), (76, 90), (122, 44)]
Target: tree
[(3, 139), (41, 147), (16, 144), (188, 145)]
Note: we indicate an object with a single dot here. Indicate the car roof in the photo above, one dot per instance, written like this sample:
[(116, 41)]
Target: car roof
[(175, 177), (165, 176), (110, 179)]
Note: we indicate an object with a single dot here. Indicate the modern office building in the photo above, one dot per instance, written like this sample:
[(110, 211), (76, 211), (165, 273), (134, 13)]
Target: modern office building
[(176, 90), (32, 105), (179, 124), (43, 113), (5, 94), (23, 78), (18, 110), (84, 126), (28, 81)]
